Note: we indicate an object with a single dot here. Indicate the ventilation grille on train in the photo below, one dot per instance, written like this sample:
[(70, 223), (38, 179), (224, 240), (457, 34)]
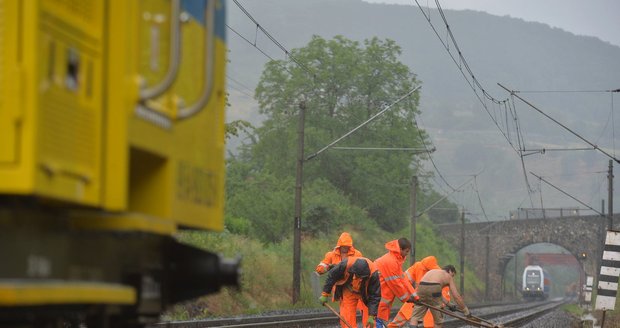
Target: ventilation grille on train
[(83, 9)]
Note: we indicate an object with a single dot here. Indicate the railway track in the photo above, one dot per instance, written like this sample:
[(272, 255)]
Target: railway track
[(515, 315), (510, 315)]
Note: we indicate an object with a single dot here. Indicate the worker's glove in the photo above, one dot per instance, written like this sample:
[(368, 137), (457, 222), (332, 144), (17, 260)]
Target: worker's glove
[(415, 299), (331, 266), (370, 322), (451, 307), (323, 298), (466, 312)]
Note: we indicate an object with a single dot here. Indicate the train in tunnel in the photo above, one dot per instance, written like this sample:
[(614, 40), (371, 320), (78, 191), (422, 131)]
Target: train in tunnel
[(536, 283), (112, 139)]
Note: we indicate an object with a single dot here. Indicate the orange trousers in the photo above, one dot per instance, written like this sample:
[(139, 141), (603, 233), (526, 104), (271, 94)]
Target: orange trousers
[(349, 305), (405, 313)]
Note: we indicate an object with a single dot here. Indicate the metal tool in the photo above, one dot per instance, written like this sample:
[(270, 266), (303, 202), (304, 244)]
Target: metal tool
[(473, 320), (338, 314)]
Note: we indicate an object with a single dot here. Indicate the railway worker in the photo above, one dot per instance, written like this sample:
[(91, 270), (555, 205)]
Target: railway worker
[(344, 249), (429, 292), (414, 274), (428, 321), (393, 282), (355, 279)]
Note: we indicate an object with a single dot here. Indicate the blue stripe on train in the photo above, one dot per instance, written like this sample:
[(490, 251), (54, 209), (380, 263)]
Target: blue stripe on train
[(196, 9)]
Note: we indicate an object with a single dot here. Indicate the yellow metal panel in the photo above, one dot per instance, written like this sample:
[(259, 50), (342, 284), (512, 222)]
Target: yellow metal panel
[(85, 15), (70, 112), (199, 185), (25, 292), (19, 97), (193, 54), (8, 34), (154, 39), (176, 167), (122, 86), (193, 148), (150, 184), (128, 222)]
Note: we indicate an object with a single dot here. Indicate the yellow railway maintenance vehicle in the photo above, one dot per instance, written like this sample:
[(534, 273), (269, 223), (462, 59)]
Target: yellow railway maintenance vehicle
[(111, 140)]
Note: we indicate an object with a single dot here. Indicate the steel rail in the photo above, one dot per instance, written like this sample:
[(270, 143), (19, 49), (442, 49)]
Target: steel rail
[(507, 314)]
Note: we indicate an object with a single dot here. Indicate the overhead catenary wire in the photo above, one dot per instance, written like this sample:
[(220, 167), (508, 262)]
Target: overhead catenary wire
[(462, 62), (442, 198), (521, 146), (364, 123), (239, 83), (527, 152), (480, 199), (560, 124), (250, 42), (305, 68), (274, 40), (474, 83), (567, 194), (564, 91), (301, 65), (430, 157), (384, 148), (240, 91), (243, 89)]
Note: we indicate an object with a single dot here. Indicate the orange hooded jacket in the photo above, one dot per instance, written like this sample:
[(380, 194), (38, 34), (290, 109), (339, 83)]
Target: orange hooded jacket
[(334, 257), (415, 272), (393, 281)]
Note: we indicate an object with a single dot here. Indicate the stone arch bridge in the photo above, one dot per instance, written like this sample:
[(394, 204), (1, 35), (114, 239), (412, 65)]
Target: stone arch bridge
[(488, 245)]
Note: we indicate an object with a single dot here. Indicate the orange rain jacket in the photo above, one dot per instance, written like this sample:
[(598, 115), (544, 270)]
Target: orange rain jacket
[(393, 281), (346, 277), (414, 274), (334, 257)]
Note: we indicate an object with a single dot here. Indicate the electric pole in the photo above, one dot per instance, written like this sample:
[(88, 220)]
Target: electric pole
[(413, 200), (610, 196), (462, 252), (298, 184)]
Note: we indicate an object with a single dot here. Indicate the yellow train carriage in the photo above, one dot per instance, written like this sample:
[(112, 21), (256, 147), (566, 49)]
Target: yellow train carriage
[(111, 139)]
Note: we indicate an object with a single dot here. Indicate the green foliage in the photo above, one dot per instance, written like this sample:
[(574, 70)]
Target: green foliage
[(573, 309), (261, 205), (266, 278), (342, 84), (443, 212), (238, 225), (262, 199), (326, 210), (234, 128)]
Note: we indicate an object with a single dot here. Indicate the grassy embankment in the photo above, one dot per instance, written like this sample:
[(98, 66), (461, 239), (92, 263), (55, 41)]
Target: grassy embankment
[(266, 279)]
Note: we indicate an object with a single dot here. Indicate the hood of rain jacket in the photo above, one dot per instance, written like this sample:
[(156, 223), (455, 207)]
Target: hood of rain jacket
[(430, 262), (345, 240), (394, 248)]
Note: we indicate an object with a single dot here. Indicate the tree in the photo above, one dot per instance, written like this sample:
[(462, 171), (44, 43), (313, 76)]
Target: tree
[(343, 83)]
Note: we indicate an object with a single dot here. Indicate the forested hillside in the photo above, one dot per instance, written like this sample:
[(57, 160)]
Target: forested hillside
[(521, 55)]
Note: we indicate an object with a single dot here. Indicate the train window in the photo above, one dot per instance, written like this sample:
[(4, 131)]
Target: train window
[(73, 70)]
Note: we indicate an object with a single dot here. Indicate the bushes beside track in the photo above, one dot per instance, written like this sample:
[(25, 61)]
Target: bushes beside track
[(266, 279)]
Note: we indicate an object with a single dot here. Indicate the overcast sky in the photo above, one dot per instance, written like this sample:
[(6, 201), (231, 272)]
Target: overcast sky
[(599, 18)]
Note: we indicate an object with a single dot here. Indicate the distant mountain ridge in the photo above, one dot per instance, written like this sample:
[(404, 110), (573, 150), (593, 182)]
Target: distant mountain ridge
[(521, 55)]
